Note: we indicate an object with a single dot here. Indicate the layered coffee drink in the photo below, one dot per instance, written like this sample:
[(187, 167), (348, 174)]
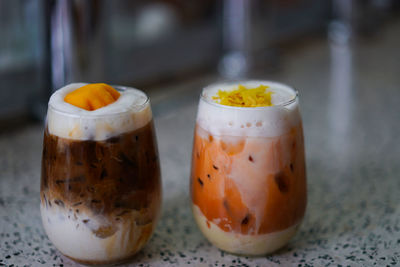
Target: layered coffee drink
[(248, 178), (100, 184)]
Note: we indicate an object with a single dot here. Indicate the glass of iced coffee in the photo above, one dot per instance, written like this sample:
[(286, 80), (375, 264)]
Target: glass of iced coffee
[(248, 178), (100, 185)]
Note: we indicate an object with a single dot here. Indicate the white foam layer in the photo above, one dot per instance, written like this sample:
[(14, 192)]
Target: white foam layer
[(130, 112), (247, 121), (76, 239), (243, 244)]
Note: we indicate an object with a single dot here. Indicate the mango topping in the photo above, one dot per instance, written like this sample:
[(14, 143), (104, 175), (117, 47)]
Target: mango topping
[(92, 96), (245, 97)]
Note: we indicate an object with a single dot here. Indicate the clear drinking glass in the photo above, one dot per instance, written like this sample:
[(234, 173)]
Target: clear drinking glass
[(248, 178), (100, 185)]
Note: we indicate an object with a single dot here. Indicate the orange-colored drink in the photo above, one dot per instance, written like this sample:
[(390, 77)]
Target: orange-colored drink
[(248, 179)]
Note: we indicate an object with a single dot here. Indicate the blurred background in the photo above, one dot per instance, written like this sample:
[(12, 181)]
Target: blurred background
[(46, 44), (343, 56)]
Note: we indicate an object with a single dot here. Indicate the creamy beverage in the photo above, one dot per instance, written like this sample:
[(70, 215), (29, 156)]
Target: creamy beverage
[(248, 179), (100, 185)]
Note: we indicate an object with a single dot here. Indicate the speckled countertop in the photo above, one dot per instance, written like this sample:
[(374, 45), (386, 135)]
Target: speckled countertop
[(350, 101)]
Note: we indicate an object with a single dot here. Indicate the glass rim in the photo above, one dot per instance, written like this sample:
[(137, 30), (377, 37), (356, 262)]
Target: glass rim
[(119, 88), (266, 82)]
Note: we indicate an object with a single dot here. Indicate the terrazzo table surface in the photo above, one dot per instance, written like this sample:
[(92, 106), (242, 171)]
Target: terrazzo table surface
[(350, 102)]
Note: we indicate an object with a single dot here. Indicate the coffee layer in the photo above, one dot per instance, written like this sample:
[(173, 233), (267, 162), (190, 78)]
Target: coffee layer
[(102, 177)]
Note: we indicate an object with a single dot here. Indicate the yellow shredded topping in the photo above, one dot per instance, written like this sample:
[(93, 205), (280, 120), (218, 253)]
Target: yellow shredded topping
[(245, 97)]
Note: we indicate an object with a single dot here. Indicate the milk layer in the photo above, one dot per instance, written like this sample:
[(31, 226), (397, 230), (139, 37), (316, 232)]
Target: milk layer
[(73, 235), (267, 121), (130, 112), (243, 244)]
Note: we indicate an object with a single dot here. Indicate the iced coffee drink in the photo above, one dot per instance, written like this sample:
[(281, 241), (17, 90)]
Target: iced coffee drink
[(100, 184), (248, 178)]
